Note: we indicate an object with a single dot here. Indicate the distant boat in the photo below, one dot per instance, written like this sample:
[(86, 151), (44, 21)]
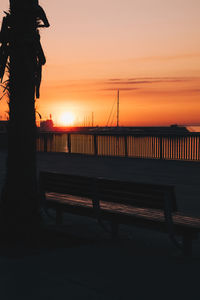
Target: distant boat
[(117, 116)]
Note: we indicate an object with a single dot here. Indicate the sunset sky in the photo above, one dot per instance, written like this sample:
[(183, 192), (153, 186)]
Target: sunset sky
[(148, 49)]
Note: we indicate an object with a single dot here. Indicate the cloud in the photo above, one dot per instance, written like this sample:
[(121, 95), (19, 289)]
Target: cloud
[(146, 85), (114, 79), (121, 89), (128, 82), (170, 92), (194, 90), (164, 57), (135, 81)]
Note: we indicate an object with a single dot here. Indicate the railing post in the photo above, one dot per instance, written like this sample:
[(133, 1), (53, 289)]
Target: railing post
[(199, 149), (95, 145), (125, 145), (161, 148), (69, 142)]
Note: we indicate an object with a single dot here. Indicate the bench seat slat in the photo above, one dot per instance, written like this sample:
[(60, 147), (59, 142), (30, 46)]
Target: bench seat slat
[(133, 199), (74, 191), (148, 214)]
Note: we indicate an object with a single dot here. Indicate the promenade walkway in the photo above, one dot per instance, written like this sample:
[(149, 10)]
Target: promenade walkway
[(89, 265)]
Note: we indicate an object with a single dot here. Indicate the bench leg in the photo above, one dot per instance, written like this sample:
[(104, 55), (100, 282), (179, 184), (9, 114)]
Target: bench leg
[(114, 229), (59, 217), (187, 245)]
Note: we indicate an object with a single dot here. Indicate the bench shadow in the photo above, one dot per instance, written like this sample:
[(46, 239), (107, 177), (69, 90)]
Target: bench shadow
[(142, 244), (48, 240)]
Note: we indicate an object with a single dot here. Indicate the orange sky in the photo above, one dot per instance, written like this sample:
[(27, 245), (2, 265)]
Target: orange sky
[(148, 49)]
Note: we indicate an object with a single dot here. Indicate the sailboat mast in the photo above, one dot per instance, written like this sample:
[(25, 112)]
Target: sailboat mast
[(118, 108)]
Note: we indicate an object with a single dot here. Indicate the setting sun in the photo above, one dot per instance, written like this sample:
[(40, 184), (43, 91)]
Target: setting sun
[(67, 119)]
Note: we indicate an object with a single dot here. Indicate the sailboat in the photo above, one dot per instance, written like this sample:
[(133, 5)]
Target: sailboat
[(111, 114)]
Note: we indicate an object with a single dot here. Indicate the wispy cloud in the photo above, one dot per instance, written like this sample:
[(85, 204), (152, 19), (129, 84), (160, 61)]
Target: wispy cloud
[(170, 92), (121, 89), (135, 81), (128, 82), (149, 85), (164, 57)]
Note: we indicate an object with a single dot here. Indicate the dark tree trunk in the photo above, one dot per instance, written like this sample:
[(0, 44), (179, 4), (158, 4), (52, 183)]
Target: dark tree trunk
[(20, 205)]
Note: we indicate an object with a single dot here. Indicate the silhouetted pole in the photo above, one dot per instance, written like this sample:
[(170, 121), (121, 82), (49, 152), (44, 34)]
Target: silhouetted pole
[(92, 119), (118, 108), (20, 205)]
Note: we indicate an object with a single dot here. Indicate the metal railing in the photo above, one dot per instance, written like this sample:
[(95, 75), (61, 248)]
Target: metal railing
[(171, 147)]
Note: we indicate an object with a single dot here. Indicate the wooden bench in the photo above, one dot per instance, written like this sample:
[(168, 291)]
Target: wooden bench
[(150, 206)]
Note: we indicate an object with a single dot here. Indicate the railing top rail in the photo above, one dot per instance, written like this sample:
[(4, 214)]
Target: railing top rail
[(153, 134)]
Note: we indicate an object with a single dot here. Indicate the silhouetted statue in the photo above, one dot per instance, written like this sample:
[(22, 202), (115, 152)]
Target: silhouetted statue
[(5, 36), (4, 40), (22, 55)]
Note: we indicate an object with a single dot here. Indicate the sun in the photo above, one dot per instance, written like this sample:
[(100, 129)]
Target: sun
[(67, 119)]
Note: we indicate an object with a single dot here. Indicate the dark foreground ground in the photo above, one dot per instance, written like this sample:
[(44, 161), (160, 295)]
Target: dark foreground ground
[(86, 263)]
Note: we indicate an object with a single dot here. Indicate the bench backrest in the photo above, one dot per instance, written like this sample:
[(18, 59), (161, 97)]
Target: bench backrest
[(136, 194), (66, 184)]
